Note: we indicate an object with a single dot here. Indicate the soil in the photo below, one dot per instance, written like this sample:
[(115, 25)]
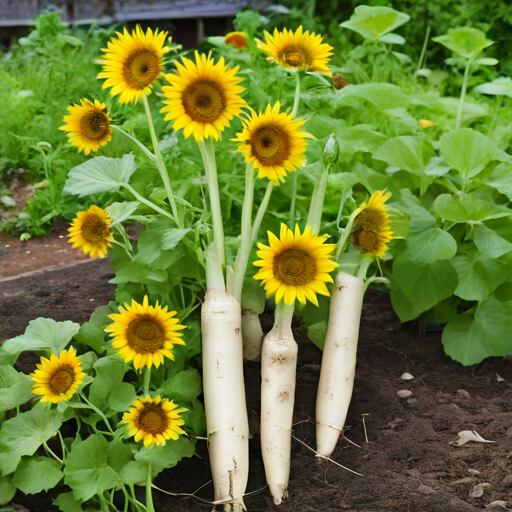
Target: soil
[(407, 462)]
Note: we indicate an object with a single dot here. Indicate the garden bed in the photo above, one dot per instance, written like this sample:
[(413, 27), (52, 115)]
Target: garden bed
[(408, 463)]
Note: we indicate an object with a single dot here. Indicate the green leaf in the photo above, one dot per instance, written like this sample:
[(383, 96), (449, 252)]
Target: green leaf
[(118, 455), (166, 456), (402, 306), (133, 473), (43, 333), (424, 284), (172, 237), (341, 180), (466, 208), (37, 474), (465, 41), (25, 433), (92, 336), (501, 179), (137, 273), (373, 22), (7, 490), (87, 471), (489, 242), (122, 398), (468, 151), (253, 295), (431, 245), (478, 274), (15, 388), (8, 461), (100, 174), (109, 375), (67, 503), (183, 386), (316, 333), (498, 87), (470, 339), (382, 96), (119, 212)]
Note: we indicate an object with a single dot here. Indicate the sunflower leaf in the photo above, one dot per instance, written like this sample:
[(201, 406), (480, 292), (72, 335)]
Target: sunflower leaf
[(109, 375), (67, 503), (7, 490), (37, 474), (15, 388)]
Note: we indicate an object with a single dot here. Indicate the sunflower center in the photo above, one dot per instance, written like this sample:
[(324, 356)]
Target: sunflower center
[(370, 218), (365, 241), (294, 267), (295, 57), (62, 380), (95, 229), (95, 124), (141, 69), (204, 102), (271, 145), (152, 419), (145, 334)]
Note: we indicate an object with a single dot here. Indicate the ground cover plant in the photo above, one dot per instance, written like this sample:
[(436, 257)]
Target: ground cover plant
[(380, 182)]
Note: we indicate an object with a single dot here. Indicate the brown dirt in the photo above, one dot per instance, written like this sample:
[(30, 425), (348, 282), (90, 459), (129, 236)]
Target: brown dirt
[(407, 463)]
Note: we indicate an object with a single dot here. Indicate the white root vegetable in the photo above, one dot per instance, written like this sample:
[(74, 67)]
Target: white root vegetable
[(224, 396), (252, 335), (338, 361), (278, 369)]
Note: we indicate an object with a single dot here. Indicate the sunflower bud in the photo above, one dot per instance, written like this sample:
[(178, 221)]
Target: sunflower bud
[(331, 151)]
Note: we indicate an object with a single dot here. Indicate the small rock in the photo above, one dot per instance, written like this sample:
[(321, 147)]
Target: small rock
[(463, 392), (404, 393), (411, 401), (509, 431), (499, 378), (426, 489), (407, 376), (466, 480), (497, 506), (478, 490), (393, 424), (474, 471), (507, 481)]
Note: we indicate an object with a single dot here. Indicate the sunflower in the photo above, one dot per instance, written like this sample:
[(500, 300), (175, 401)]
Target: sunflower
[(91, 231), (88, 126), (273, 142), (145, 334), (133, 62), (154, 420), (58, 378), (371, 232), (237, 39), (299, 50), (203, 97), (295, 266)]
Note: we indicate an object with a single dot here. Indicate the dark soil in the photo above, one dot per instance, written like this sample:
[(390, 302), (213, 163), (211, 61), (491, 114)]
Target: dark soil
[(407, 463)]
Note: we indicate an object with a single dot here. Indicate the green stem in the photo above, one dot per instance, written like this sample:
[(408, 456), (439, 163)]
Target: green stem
[(160, 162), (149, 495), (147, 202), (294, 200), (97, 411), (342, 242), (147, 380), (47, 448), (63, 445), (363, 267), (261, 212), (423, 50), (141, 146), (245, 242), (284, 314), (210, 167), (297, 95), (499, 101), (463, 94), (317, 200)]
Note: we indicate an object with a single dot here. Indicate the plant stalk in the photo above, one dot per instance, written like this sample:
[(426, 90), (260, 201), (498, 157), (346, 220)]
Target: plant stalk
[(147, 202), (147, 380), (423, 50), (317, 200), (149, 495), (295, 174), (141, 146), (463, 94), (261, 212)]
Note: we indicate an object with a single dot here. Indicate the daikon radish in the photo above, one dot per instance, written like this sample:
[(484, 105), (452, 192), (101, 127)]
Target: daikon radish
[(278, 369), (338, 361), (252, 335), (224, 394)]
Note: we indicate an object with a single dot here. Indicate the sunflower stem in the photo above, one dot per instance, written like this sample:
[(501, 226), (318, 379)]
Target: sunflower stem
[(97, 411), (147, 202), (160, 162), (317, 200), (141, 146), (47, 448), (63, 445), (342, 242), (363, 267), (149, 495), (463, 94), (147, 380), (210, 167), (245, 242), (294, 199), (297, 95), (261, 212)]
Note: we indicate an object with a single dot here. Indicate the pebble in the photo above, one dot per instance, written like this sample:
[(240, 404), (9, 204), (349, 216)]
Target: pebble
[(463, 392), (404, 393), (426, 489), (474, 471), (479, 489), (407, 376), (507, 481), (509, 431), (411, 401), (497, 506)]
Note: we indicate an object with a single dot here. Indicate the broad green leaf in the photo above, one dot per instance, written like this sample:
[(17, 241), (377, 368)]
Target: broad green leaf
[(489, 242), (87, 361), (67, 503), (501, 179), (485, 61), (424, 284), (100, 174), (25, 433), (43, 333), (37, 474), (431, 245), (465, 41), (498, 87), (15, 388), (407, 153), (87, 471), (172, 237), (133, 473), (253, 296), (166, 456), (7, 490), (92, 336), (382, 96), (466, 208), (436, 167), (119, 212), (121, 399), (469, 339), (357, 138), (134, 272), (341, 180), (316, 333), (403, 307), (391, 38), (8, 461), (118, 455), (468, 151), (109, 375), (373, 22), (184, 386), (478, 274), (420, 218)]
